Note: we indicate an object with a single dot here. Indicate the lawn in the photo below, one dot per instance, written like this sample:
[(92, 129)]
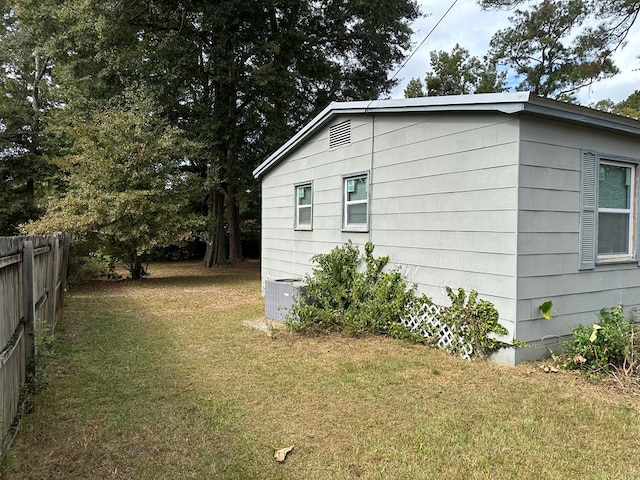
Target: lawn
[(164, 379)]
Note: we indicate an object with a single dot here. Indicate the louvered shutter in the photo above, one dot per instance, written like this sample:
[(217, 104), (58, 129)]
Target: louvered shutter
[(588, 211)]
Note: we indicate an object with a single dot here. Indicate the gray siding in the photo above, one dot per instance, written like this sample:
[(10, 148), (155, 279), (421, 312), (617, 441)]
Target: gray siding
[(443, 190), (287, 253), (549, 223)]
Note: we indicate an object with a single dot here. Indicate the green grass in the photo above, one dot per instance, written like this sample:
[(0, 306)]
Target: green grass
[(162, 379)]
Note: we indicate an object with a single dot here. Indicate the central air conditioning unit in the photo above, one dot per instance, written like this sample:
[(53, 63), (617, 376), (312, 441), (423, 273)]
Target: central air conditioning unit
[(279, 296)]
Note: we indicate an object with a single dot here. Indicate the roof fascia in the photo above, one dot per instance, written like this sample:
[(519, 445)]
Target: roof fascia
[(509, 103)]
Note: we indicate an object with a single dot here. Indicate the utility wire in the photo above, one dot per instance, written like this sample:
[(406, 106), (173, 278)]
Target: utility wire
[(423, 40)]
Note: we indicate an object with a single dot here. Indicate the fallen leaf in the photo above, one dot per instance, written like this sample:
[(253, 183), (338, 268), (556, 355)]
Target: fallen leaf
[(281, 455), (579, 359)]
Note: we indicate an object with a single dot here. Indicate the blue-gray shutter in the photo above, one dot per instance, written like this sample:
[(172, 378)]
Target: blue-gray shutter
[(588, 211)]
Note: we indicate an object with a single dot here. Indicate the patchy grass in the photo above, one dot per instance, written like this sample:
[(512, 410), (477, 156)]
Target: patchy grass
[(163, 378)]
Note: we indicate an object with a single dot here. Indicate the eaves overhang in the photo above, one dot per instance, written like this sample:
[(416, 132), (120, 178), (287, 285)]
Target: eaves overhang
[(507, 103)]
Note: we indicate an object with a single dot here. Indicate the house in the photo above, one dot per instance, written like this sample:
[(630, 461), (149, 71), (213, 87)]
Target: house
[(521, 198)]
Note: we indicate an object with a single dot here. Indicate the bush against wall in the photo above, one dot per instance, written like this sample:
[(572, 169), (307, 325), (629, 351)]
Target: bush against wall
[(353, 293), (604, 345), (341, 296)]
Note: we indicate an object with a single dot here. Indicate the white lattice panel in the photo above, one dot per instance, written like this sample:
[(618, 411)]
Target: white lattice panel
[(425, 322)]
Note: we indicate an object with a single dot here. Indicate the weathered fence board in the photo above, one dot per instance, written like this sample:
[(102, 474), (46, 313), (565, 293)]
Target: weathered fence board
[(33, 270)]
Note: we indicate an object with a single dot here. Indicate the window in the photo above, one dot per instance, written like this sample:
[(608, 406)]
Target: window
[(356, 202), (615, 210), (304, 206), (608, 210)]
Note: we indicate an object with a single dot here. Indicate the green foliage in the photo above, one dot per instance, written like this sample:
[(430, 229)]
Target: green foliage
[(83, 268), (629, 107), (414, 89), (25, 97), (341, 296), (351, 293), (126, 194), (602, 345), (612, 18), (473, 321), (546, 308), (548, 47), (37, 382), (459, 73)]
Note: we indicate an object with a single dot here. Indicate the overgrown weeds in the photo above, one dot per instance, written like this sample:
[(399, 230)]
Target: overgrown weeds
[(340, 296), (609, 346), (353, 293)]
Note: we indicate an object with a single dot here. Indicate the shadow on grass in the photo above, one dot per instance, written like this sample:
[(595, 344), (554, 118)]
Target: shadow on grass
[(153, 384), (120, 403)]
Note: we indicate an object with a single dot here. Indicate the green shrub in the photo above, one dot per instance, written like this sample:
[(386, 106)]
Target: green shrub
[(602, 345), (342, 296), (351, 293), (473, 321), (90, 267)]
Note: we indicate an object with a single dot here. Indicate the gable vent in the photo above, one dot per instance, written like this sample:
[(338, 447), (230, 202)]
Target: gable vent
[(340, 134)]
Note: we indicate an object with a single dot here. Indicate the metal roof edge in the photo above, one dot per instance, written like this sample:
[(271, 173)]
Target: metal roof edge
[(509, 103), (579, 114)]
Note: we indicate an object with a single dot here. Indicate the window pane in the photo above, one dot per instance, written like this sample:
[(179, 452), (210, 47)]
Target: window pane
[(357, 213), (613, 233), (357, 189), (304, 216), (304, 195), (614, 187)]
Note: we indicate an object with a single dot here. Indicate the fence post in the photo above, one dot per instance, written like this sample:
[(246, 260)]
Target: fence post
[(29, 308), (64, 241), (52, 294)]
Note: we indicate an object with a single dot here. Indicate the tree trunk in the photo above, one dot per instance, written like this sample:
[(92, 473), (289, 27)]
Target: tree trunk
[(235, 244), (215, 254), (135, 267)]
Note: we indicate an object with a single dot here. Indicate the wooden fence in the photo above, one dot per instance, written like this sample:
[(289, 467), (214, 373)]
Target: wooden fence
[(33, 270)]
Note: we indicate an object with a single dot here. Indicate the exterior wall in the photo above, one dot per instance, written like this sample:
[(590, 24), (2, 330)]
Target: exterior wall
[(286, 253), (548, 239), (443, 201)]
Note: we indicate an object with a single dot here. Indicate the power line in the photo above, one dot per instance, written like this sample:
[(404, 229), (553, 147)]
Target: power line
[(423, 40)]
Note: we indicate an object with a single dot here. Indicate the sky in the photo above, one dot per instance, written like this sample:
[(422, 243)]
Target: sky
[(471, 27)]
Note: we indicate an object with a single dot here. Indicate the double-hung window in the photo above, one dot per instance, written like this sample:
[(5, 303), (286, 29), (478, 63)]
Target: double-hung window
[(304, 206), (356, 202), (608, 223), (616, 198)]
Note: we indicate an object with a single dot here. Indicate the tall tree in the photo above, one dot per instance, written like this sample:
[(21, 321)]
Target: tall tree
[(126, 193), (540, 47), (414, 89), (459, 73), (24, 100), (630, 106), (238, 76), (614, 18)]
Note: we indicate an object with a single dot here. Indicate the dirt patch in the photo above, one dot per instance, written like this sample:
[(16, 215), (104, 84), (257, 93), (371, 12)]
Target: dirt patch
[(264, 324)]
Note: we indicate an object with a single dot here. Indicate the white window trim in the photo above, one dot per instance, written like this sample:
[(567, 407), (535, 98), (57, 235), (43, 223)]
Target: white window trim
[(631, 212), (297, 225), (355, 227)]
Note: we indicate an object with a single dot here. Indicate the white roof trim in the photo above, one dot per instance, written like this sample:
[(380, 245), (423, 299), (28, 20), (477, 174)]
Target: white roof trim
[(508, 103)]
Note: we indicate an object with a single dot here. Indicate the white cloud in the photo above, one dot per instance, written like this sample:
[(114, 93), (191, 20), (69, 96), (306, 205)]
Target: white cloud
[(471, 27)]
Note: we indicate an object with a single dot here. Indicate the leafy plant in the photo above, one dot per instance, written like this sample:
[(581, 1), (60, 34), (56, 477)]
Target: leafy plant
[(342, 296), (351, 293), (602, 345), (473, 321)]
